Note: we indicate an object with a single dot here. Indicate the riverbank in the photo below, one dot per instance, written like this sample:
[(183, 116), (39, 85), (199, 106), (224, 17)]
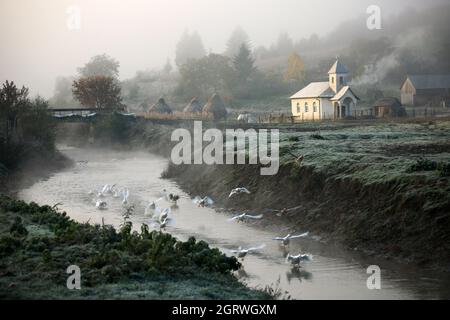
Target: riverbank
[(382, 187), (33, 166), (38, 244)]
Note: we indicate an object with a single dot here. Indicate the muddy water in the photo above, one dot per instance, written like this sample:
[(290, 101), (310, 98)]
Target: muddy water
[(334, 273)]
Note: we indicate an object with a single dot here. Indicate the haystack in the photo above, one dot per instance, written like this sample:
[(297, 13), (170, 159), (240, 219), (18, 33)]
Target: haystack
[(160, 107), (193, 107), (215, 108)]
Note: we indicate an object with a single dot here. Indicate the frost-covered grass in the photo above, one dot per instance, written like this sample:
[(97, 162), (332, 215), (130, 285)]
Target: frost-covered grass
[(371, 153)]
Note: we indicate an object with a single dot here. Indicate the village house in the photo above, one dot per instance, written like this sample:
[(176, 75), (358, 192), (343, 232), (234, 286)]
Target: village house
[(426, 90), (332, 99)]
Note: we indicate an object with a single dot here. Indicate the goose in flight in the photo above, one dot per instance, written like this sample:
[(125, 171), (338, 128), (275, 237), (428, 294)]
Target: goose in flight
[(101, 205), (287, 239), (244, 216), (164, 221), (203, 202), (238, 191), (241, 253), (296, 260), (151, 207), (163, 214)]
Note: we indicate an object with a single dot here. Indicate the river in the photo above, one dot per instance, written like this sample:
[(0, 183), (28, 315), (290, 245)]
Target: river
[(334, 273)]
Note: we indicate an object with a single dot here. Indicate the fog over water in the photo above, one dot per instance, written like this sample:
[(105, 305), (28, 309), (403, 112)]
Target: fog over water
[(37, 45)]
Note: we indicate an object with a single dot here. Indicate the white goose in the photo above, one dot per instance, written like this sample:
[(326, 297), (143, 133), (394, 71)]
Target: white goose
[(287, 239), (296, 260), (101, 205), (150, 208), (203, 202), (125, 195), (244, 216), (241, 253), (238, 191)]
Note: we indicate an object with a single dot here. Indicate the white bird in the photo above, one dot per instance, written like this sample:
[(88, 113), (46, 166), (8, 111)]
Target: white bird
[(296, 260), (125, 195), (244, 216), (203, 202), (162, 213), (101, 205), (238, 191), (287, 239), (241, 253), (151, 207), (163, 223)]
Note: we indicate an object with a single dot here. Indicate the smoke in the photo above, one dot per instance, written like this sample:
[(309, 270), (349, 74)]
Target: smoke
[(378, 70), (374, 73)]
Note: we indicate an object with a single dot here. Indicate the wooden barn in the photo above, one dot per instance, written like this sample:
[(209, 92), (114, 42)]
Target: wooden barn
[(388, 108), (426, 90)]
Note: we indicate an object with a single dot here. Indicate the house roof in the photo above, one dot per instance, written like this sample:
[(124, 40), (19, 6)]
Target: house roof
[(338, 67), (434, 81), (315, 90), (342, 92)]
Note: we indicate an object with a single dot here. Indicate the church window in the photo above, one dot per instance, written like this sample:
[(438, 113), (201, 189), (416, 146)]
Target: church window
[(332, 79), (306, 106), (314, 107), (341, 80), (298, 107)]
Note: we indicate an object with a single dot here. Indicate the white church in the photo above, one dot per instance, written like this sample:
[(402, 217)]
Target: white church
[(332, 99)]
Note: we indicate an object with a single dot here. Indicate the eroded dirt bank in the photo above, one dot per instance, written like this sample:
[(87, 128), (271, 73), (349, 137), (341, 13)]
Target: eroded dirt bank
[(391, 219)]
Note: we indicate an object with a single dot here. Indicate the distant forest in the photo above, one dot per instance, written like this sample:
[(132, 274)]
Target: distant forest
[(412, 42)]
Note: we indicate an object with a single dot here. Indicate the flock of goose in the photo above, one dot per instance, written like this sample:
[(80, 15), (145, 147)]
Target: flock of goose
[(162, 217)]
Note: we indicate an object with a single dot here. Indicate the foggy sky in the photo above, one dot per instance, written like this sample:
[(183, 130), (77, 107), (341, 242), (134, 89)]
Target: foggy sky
[(37, 46)]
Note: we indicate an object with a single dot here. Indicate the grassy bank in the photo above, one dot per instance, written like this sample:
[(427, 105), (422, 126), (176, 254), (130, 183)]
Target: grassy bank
[(38, 243), (381, 187)]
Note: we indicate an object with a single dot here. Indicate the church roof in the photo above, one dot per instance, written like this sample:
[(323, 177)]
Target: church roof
[(342, 92), (338, 67), (315, 90), (434, 81)]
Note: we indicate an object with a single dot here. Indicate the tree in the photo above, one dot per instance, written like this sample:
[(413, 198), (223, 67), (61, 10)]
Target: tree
[(62, 96), (202, 77), (189, 47), (296, 68), (284, 44), (100, 65), (98, 92), (243, 63), (167, 67), (237, 39), (13, 101)]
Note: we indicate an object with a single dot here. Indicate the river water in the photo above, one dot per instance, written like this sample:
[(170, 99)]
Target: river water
[(334, 273)]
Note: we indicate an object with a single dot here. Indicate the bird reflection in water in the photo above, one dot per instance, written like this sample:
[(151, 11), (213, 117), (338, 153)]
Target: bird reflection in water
[(298, 273)]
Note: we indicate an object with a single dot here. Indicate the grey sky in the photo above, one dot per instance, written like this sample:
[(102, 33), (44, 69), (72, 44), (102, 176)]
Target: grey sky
[(37, 46)]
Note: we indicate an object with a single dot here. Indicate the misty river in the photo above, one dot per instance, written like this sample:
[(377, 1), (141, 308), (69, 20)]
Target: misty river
[(334, 273)]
